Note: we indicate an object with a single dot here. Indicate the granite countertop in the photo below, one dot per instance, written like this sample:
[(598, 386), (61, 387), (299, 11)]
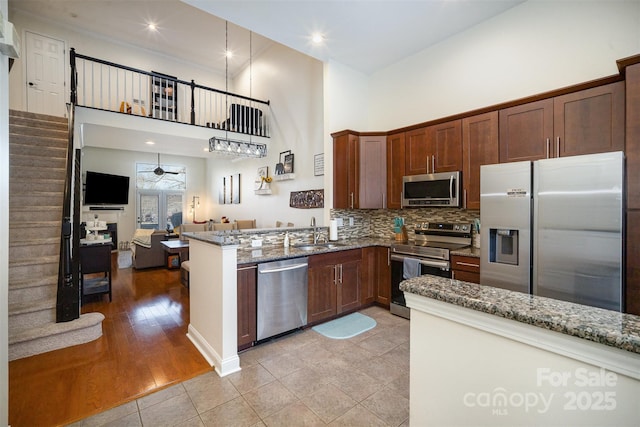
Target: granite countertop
[(267, 253), (594, 324), (270, 252)]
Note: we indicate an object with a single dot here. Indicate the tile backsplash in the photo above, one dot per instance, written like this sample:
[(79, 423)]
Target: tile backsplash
[(379, 222)]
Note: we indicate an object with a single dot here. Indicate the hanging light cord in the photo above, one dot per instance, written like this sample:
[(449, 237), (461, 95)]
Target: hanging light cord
[(226, 75), (252, 118)]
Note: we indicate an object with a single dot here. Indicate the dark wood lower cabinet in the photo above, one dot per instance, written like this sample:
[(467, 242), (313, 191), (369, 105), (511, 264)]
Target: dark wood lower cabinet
[(632, 295), (247, 307), (376, 276), (465, 268), (334, 284)]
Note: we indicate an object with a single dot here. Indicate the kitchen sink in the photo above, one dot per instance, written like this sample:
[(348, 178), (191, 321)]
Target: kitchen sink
[(313, 246)]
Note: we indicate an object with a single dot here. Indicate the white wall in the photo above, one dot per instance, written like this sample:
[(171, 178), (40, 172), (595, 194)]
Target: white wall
[(293, 83), (534, 47), (346, 104), (120, 162), (290, 80), (108, 50), (4, 233)]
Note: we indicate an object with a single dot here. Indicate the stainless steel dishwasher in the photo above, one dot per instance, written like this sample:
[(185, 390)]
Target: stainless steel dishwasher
[(282, 296)]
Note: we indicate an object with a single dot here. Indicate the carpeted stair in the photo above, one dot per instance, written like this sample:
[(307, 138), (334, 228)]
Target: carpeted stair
[(38, 150)]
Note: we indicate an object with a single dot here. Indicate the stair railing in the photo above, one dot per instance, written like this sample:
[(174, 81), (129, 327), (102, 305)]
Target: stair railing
[(68, 295)]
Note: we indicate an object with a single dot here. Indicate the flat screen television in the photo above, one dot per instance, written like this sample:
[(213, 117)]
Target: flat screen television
[(105, 189)]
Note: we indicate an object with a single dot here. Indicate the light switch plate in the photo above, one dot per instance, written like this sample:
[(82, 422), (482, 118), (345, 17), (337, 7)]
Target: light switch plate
[(340, 222)]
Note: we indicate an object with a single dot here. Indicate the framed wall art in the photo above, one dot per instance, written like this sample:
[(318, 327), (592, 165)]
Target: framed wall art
[(318, 164), (285, 164)]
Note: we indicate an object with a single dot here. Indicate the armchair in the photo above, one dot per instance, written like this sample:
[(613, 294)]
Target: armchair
[(147, 257)]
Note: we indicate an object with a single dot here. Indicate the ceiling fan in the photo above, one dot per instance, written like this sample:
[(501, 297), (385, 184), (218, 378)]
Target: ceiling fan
[(159, 171)]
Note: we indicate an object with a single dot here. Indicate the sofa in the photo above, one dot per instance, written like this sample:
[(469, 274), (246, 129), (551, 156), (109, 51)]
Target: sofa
[(147, 257)]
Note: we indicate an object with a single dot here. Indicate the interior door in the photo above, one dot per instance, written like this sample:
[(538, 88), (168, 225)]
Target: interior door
[(45, 75)]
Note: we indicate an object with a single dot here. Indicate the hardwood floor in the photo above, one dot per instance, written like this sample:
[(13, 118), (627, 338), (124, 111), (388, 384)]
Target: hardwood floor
[(143, 348)]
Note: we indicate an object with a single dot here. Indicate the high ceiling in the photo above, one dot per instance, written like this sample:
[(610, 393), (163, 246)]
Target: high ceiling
[(366, 35)]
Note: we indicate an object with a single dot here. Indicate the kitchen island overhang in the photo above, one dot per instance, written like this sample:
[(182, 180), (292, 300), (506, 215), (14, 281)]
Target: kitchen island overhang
[(488, 356)]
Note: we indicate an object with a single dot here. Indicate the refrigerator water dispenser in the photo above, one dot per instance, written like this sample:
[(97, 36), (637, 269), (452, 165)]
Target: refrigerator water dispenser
[(503, 246)]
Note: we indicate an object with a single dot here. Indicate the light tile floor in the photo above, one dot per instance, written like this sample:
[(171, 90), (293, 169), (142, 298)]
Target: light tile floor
[(303, 379)]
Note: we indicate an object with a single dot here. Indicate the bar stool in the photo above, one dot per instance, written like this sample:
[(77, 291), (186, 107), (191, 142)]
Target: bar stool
[(184, 273)]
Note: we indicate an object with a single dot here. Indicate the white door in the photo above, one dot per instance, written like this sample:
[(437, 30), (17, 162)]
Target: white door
[(159, 209), (45, 75)]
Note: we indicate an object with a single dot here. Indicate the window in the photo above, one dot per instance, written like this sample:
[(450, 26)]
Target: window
[(159, 197)]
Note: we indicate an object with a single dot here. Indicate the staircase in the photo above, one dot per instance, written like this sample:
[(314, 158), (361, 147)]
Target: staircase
[(38, 150)]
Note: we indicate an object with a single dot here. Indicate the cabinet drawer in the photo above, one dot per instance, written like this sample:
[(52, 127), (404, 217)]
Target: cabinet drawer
[(465, 263), (337, 257)]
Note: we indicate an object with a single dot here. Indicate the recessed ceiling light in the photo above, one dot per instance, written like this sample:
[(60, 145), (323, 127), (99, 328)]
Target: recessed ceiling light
[(151, 26), (317, 38), (150, 143), (229, 54)]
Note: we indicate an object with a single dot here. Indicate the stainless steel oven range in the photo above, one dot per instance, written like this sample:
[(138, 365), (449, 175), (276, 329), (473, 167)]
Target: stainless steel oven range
[(426, 252)]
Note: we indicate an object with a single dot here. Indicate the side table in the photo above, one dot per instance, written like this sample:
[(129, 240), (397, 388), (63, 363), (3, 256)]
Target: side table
[(96, 258), (177, 251)]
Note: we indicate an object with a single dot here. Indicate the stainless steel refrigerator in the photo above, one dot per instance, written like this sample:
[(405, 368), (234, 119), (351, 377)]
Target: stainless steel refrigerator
[(554, 228)]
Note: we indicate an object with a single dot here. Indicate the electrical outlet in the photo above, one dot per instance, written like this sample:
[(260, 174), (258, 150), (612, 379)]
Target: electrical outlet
[(340, 222), (350, 221)]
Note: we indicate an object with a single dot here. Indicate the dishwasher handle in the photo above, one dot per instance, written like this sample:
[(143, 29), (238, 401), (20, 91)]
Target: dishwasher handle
[(287, 268)]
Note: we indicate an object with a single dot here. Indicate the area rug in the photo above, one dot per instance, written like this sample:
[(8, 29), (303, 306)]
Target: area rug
[(346, 327), (124, 259)]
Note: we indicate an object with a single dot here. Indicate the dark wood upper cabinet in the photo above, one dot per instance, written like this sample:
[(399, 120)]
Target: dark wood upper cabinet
[(373, 172), (446, 143), (584, 122), (526, 131), (359, 171), (436, 148), (632, 148), (395, 169), (417, 152), (590, 121), (345, 171), (480, 147)]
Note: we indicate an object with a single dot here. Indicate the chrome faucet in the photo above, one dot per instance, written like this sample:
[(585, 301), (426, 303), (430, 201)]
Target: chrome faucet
[(317, 235)]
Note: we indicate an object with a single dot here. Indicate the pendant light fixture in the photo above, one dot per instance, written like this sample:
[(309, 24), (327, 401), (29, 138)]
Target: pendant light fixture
[(225, 145)]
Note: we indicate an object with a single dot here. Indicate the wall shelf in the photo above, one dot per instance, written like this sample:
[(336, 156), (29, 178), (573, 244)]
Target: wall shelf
[(263, 192), (284, 177)]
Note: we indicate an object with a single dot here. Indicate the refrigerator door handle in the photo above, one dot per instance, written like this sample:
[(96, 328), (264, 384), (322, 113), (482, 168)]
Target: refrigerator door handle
[(558, 147)]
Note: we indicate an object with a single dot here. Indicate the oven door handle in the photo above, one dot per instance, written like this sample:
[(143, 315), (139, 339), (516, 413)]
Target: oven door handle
[(443, 265)]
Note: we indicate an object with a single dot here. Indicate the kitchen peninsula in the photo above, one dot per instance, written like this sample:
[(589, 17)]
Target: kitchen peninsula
[(489, 356), (213, 282)]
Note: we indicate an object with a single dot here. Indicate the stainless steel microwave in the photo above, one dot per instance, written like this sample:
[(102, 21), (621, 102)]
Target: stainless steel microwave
[(431, 190)]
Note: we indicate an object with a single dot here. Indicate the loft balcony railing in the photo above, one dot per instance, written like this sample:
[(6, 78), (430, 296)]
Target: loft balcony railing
[(104, 85)]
